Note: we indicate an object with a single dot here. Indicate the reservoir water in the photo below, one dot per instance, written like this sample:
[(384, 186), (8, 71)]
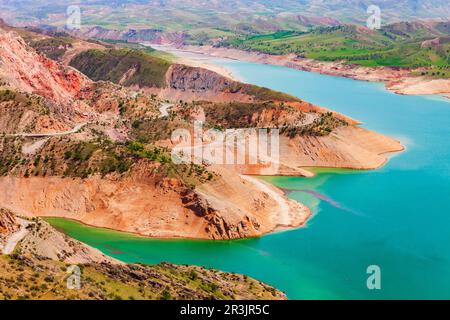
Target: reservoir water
[(397, 217)]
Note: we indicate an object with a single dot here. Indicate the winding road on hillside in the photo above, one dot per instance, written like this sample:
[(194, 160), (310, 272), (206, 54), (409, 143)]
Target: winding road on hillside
[(16, 237), (76, 129), (164, 109)]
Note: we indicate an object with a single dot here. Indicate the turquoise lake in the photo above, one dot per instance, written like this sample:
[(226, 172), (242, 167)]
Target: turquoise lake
[(397, 217)]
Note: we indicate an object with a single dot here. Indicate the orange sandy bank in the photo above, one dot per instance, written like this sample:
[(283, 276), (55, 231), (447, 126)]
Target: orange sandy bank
[(229, 208)]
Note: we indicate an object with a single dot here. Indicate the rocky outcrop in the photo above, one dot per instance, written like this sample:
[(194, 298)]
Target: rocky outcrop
[(191, 84), (8, 224), (218, 227), (25, 70), (43, 241), (184, 78), (23, 113)]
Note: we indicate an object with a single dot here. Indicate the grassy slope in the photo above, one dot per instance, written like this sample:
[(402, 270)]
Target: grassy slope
[(53, 48), (23, 277), (390, 46), (111, 65), (137, 46)]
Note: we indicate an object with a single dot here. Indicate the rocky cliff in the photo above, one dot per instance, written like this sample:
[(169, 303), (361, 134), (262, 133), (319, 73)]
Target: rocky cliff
[(24, 69), (8, 225)]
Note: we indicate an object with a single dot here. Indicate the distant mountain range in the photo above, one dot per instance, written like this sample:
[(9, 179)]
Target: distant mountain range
[(232, 15)]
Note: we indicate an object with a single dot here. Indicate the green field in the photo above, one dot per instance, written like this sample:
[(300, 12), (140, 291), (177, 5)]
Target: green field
[(400, 45)]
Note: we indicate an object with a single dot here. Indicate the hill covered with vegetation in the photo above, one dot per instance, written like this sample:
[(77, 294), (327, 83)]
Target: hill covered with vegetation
[(125, 66), (401, 45), (24, 277)]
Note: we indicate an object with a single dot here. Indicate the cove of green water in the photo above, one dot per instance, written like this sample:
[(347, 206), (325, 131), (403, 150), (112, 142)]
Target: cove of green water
[(397, 217)]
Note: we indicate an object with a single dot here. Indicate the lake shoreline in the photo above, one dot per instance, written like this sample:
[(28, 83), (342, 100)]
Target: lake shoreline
[(397, 80), (297, 215)]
